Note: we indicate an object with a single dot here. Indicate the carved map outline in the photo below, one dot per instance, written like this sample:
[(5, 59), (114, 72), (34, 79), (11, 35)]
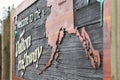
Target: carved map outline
[(61, 20)]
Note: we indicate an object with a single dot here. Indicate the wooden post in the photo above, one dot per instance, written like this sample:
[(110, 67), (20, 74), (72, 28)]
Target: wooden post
[(118, 39), (11, 44), (6, 50), (0, 56), (115, 39)]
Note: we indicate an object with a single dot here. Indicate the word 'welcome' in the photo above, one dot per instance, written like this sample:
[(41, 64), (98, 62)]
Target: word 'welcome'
[(32, 17)]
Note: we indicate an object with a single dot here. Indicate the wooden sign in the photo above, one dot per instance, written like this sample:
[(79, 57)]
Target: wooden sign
[(58, 40)]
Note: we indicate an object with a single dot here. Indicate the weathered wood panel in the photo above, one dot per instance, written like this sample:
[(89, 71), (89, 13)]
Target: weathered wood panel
[(82, 3), (73, 63), (87, 15)]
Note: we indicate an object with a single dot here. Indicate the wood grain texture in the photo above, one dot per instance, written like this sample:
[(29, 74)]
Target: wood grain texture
[(118, 40), (115, 39), (73, 63), (88, 14), (6, 50)]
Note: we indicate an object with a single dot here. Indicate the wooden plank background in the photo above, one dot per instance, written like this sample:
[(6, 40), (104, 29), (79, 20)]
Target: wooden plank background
[(73, 62)]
